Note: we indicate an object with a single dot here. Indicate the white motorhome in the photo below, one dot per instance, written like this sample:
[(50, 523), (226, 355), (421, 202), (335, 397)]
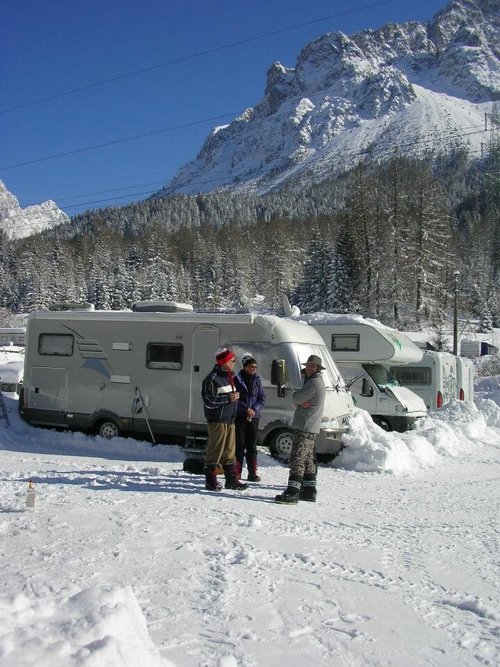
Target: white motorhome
[(362, 348), (465, 379), (476, 348), (434, 378), (12, 336), (11, 376), (115, 372)]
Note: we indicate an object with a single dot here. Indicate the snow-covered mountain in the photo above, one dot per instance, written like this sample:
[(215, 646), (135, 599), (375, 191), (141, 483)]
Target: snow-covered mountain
[(414, 88), (17, 222)]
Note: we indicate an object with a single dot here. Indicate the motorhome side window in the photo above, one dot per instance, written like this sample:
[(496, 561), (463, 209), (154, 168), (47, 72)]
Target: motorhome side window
[(60, 345), (164, 355), (407, 375), (345, 342)]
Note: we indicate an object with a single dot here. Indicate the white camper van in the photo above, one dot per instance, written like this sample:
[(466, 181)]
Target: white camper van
[(114, 372), (11, 376), (465, 379), (12, 336), (434, 378), (360, 348)]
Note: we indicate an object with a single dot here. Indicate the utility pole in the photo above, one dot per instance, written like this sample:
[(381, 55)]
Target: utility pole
[(456, 274)]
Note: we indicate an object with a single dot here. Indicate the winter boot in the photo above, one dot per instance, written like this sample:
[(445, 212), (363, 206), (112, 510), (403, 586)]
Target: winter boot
[(252, 469), (211, 483), (290, 495), (239, 466), (308, 491), (232, 482)]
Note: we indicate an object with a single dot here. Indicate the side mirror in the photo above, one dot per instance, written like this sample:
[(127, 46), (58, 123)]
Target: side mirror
[(366, 388), (278, 375)]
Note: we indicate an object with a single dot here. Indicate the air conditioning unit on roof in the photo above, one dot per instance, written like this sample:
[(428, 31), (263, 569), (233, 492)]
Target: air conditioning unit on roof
[(161, 307)]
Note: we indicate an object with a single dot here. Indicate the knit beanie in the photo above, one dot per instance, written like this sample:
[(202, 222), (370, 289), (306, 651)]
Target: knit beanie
[(223, 356), (247, 360)]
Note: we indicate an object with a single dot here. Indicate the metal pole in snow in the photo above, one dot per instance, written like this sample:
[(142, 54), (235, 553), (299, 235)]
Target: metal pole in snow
[(455, 312)]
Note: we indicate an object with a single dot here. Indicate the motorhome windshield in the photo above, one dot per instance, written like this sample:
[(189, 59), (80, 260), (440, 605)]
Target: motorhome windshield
[(381, 376), (331, 375)]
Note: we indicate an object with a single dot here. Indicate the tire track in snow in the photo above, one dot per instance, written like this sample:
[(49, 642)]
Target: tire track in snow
[(443, 608), (435, 604)]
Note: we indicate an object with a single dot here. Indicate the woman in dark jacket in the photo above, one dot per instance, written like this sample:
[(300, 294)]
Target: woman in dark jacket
[(252, 400)]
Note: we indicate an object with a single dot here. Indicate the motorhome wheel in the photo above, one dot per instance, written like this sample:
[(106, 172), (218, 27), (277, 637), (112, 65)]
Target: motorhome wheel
[(383, 423), (20, 404), (281, 443), (108, 429)]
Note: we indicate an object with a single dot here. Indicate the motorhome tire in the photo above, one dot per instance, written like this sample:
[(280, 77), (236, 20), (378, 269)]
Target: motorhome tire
[(325, 458), (20, 404), (383, 423), (194, 465), (280, 444), (108, 429)]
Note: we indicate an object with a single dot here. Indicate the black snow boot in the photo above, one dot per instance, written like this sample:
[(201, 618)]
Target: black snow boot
[(211, 483), (232, 481), (252, 469), (308, 491), (290, 495)]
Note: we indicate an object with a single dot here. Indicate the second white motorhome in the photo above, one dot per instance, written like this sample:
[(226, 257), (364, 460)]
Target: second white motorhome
[(140, 373), (434, 378), (361, 348), (12, 336), (11, 376), (465, 379)]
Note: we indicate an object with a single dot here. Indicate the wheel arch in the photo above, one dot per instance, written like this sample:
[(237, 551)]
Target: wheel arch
[(101, 416)]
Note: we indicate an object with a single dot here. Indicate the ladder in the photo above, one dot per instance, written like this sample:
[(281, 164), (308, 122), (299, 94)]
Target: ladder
[(196, 444), (3, 411)]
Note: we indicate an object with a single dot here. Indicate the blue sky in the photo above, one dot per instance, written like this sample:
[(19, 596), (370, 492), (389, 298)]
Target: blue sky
[(50, 47)]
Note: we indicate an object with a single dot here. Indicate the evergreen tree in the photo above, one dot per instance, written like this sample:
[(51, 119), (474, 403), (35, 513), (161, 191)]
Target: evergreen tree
[(314, 288)]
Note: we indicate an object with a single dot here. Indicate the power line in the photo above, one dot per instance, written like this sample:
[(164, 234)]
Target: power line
[(425, 141), (181, 59), (121, 141), (124, 140), (103, 192), (138, 194)]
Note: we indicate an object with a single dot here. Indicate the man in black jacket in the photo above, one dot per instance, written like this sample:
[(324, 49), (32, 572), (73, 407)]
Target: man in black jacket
[(220, 402)]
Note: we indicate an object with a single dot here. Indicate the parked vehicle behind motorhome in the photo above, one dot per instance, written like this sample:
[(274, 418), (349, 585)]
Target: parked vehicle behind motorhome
[(476, 348), (434, 378), (465, 379), (11, 376), (141, 372), (360, 348), (12, 336)]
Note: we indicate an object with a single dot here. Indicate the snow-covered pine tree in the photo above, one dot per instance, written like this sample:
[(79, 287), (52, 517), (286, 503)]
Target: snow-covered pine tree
[(311, 294), (342, 289)]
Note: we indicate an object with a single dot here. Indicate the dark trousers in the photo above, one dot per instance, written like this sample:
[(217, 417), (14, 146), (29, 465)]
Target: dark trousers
[(246, 439)]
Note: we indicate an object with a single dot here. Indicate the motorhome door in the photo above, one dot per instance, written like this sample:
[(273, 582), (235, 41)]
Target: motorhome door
[(206, 342), (48, 388)]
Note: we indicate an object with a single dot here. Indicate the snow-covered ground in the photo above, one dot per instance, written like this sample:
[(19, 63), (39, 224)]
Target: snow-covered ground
[(127, 561)]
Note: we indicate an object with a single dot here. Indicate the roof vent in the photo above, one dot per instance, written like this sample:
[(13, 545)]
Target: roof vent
[(161, 307), (71, 306)]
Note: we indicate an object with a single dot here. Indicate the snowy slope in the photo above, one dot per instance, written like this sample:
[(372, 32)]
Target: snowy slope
[(414, 88), (126, 560), (17, 222)]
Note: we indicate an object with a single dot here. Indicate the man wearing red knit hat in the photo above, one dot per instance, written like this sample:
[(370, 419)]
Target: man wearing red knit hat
[(220, 402)]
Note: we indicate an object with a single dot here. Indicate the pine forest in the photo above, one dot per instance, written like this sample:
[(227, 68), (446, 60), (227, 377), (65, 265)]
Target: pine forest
[(390, 242)]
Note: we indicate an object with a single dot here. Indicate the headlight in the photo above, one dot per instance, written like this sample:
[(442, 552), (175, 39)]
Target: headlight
[(401, 408)]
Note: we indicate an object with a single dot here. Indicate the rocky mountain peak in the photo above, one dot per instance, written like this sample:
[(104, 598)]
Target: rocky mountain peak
[(417, 83), (16, 222)]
